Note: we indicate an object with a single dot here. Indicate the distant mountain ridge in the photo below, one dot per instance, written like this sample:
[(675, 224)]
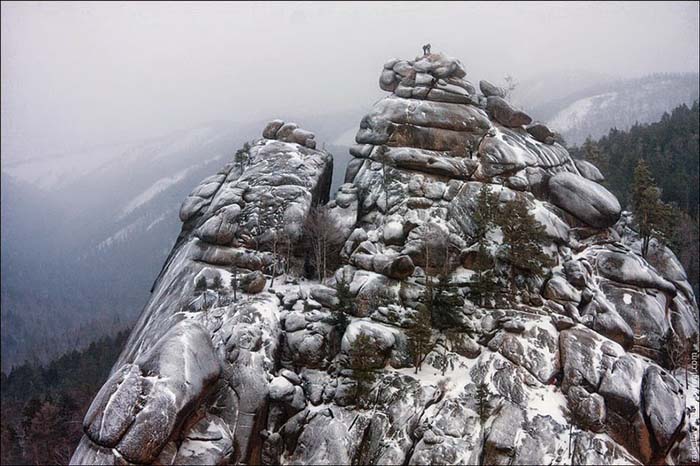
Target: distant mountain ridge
[(607, 104), (84, 234)]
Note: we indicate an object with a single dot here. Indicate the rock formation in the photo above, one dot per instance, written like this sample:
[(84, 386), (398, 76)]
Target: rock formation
[(571, 368)]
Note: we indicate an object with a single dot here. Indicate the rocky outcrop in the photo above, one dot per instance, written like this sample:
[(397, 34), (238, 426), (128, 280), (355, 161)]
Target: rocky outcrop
[(568, 367), (505, 114), (289, 132), (542, 133), (191, 385), (587, 201)]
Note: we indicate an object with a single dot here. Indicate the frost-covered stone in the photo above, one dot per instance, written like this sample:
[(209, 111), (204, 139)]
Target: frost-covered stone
[(114, 406), (663, 404), (508, 150), (558, 289), (632, 270), (325, 295), (644, 312), (588, 408), (589, 171), (543, 134), (271, 129), (185, 345), (621, 385), (584, 199), (393, 233), (281, 389), (585, 356), (253, 282), (490, 90), (208, 442), (381, 340), (505, 114)]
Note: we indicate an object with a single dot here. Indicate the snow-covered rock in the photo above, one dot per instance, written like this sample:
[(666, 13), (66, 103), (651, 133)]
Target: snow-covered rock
[(584, 199), (569, 367)]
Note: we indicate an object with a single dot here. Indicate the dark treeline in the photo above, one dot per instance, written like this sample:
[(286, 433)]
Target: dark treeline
[(671, 149), (43, 406)]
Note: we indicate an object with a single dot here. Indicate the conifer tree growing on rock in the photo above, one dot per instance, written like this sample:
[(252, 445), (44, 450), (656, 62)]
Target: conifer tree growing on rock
[(482, 402), (652, 217), (217, 283), (362, 350), (345, 297), (420, 335), (485, 219), (593, 154), (274, 245), (234, 283), (242, 157), (339, 316), (201, 286), (447, 304), (437, 252), (200, 289), (523, 237), (385, 160)]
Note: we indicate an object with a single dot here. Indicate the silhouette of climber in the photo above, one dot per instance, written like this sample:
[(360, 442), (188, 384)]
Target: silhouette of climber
[(426, 49)]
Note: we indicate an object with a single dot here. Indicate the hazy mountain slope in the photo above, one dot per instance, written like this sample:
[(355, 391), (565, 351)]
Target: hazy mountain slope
[(78, 251), (614, 104), (84, 234)]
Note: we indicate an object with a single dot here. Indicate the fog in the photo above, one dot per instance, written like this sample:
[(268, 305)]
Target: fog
[(80, 74)]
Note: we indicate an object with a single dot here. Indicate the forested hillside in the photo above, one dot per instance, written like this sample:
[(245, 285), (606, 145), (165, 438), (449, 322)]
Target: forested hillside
[(671, 149), (47, 404)]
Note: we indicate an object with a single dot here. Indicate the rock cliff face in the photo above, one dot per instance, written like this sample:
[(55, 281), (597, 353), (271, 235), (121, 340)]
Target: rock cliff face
[(572, 368)]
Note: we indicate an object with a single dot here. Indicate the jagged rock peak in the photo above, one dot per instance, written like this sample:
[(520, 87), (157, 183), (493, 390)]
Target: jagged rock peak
[(422, 126), (289, 132), (433, 76)]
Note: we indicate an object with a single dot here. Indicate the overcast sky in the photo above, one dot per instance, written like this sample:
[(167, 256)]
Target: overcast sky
[(76, 74)]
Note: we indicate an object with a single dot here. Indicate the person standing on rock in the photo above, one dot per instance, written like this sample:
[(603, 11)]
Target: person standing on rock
[(426, 50)]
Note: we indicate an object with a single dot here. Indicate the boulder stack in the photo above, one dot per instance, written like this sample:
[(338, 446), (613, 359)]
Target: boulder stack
[(289, 132)]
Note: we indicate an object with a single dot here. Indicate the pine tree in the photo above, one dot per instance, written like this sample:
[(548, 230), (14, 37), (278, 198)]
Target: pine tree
[(447, 304), (200, 289), (345, 298), (486, 218), (200, 286), (339, 316), (217, 283), (420, 335), (486, 212), (482, 402), (593, 154), (523, 237), (484, 285), (362, 351), (234, 282), (652, 217), (242, 156)]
